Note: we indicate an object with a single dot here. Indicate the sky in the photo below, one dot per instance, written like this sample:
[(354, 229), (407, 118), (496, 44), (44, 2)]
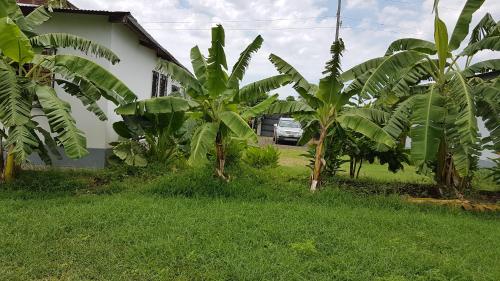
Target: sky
[(299, 31)]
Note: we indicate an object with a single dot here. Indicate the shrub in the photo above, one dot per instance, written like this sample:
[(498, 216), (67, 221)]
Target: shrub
[(201, 182), (261, 157)]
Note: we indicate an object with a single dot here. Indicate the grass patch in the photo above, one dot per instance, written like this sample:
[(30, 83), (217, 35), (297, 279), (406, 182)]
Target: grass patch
[(482, 182), (171, 223), (292, 157)]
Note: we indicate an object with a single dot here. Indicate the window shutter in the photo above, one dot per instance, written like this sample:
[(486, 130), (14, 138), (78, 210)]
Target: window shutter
[(154, 90), (163, 84)]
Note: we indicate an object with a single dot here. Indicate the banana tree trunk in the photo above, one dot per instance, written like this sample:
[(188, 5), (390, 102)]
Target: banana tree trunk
[(318, 161), (10, 166), (447, 176), (352, 166), (359, 168), (221, 158)]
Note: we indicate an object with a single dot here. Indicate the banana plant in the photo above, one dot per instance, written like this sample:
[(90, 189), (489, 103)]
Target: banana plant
[(220, 97), (495, 172), (324, 106), (152, 129), (437, 94), (26, 95)]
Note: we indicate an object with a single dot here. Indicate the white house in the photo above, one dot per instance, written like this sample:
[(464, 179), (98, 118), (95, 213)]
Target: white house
[(138, 53)]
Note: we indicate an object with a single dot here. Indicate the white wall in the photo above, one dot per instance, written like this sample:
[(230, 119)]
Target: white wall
[(134, 69), (97, 29)]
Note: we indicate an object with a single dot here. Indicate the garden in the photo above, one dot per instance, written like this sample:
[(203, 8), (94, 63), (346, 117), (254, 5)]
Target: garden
[(191, 192)]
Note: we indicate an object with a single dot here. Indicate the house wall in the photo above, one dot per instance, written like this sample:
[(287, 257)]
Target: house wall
[(134, 69), (98, 29)]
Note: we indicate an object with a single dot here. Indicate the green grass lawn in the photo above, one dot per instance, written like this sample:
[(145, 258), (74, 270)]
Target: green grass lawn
[(264, 225), (293, 157)]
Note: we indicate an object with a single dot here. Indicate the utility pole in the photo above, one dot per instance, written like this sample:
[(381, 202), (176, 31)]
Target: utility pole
[(338, 21)]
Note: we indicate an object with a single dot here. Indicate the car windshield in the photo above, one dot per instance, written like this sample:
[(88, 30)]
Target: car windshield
[(289, 124)]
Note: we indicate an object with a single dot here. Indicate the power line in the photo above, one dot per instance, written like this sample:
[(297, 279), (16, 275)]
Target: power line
[(377, 23), (275, 19), (383, 30), (216, 22), (252, 20), (291, 28), (386, 28), (263, 20), (416, 4), (251, 29)]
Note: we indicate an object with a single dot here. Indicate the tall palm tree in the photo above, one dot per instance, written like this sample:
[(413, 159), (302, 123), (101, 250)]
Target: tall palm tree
[(437, 98), (326, 105), (220, 98), (24, 72)]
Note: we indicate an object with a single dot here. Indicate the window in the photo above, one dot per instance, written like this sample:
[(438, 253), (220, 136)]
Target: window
[(289, 124), (175, 89), (177, 92), (154, 90), (160, 85)]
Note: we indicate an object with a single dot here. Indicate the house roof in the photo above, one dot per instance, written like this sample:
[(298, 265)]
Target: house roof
[(43, 2), (124, 18)]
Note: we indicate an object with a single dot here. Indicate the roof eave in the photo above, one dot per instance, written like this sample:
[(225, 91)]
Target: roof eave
[(125, 18), (149, 41)]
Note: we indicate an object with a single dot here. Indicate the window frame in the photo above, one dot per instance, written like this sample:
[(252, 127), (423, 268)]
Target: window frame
[(160, 85)]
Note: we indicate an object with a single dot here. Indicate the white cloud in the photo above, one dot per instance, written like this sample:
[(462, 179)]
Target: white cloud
[(300, 31), (360, 4)]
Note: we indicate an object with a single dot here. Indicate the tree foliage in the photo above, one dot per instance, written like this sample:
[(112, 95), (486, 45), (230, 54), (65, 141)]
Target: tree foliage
[(324, 106), (152, 130), (435, 100), (25, 93), (221, 101)]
